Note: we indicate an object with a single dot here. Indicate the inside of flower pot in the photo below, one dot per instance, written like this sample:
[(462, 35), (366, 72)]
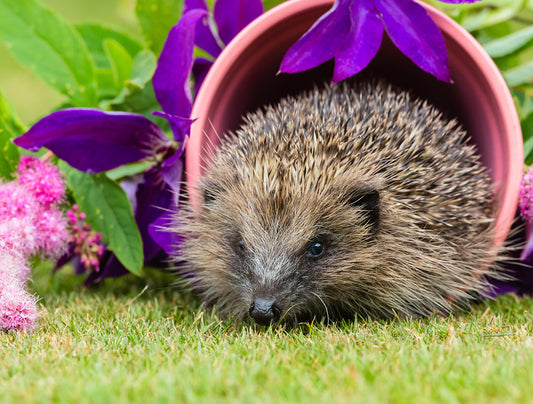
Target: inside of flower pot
[(245, 78)]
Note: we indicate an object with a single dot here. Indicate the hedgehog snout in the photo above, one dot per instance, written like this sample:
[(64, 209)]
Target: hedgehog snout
[(264, 311)]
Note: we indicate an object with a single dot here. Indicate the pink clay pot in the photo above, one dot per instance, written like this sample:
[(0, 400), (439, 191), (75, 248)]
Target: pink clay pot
[(244, 78)]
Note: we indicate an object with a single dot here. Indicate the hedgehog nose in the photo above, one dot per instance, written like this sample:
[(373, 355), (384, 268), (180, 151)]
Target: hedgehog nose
[(264, 311)]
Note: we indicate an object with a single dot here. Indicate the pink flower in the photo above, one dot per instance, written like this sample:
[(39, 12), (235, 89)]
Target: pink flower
[(30, 223), (42, 179), (18, 309)]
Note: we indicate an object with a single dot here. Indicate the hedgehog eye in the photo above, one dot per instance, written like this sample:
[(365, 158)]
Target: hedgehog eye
[(316, 249), (242, 246)]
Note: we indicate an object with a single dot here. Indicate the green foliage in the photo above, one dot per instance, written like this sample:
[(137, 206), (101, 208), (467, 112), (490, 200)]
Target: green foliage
[(511, 43), (109, 212), (505, 29), (54, 50), (120, 60), (107, 63), (94, 36), (137, 94), (156, 17), (10, 128)]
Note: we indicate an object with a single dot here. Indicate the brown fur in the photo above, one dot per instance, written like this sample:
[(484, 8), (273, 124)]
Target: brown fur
[(310, 168)]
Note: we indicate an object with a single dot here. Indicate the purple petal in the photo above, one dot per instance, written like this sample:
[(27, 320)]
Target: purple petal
[(171, 78), (92, 140), (154, 198), (205, 38), (200, 68), (180, 126), (194, 4), (110, 268), (130, 187), (413, 31), (527, 252), (161, 231), (231, 16), (321, 42), (172, 172), (362, 43)]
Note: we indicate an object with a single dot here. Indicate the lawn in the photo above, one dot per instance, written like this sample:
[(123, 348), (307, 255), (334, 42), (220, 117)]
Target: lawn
[(132, 341)]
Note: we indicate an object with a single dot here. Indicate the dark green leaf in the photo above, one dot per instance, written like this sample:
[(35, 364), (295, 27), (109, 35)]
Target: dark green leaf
[(527, 135), (120, 60), (53, 49), (510, 43), (156, 17), (109, 212)]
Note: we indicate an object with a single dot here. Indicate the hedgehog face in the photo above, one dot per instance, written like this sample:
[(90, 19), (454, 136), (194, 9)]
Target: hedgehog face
[(280, 258)]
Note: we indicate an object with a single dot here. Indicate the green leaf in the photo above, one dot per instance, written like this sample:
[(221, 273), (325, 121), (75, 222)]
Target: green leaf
[(268, 4), (120, 60), (53, 49), (520, 75), (9, 154), (510, 43), (143, 68), (127, 170), (138, 94), (527, 135), (156, 17), (10, 127), (94, 37), (13, 123), (109, 212)]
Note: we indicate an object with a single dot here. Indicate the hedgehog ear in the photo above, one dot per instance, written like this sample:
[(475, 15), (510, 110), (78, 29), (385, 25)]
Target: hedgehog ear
[(367, 200)]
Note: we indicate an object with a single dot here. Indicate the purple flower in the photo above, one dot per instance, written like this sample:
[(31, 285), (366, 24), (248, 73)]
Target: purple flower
[(351, 33), (93, 141), (197, 28)]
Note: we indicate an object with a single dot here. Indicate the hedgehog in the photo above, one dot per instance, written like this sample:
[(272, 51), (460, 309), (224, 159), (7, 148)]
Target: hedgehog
[(355, 199)]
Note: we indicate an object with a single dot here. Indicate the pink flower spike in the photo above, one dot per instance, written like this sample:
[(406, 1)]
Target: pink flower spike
[(525, 201)]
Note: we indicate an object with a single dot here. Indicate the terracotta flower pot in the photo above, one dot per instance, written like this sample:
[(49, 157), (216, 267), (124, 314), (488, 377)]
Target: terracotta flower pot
[(244, 78)]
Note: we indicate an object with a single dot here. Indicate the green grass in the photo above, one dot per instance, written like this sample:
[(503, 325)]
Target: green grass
[(124, 343)]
